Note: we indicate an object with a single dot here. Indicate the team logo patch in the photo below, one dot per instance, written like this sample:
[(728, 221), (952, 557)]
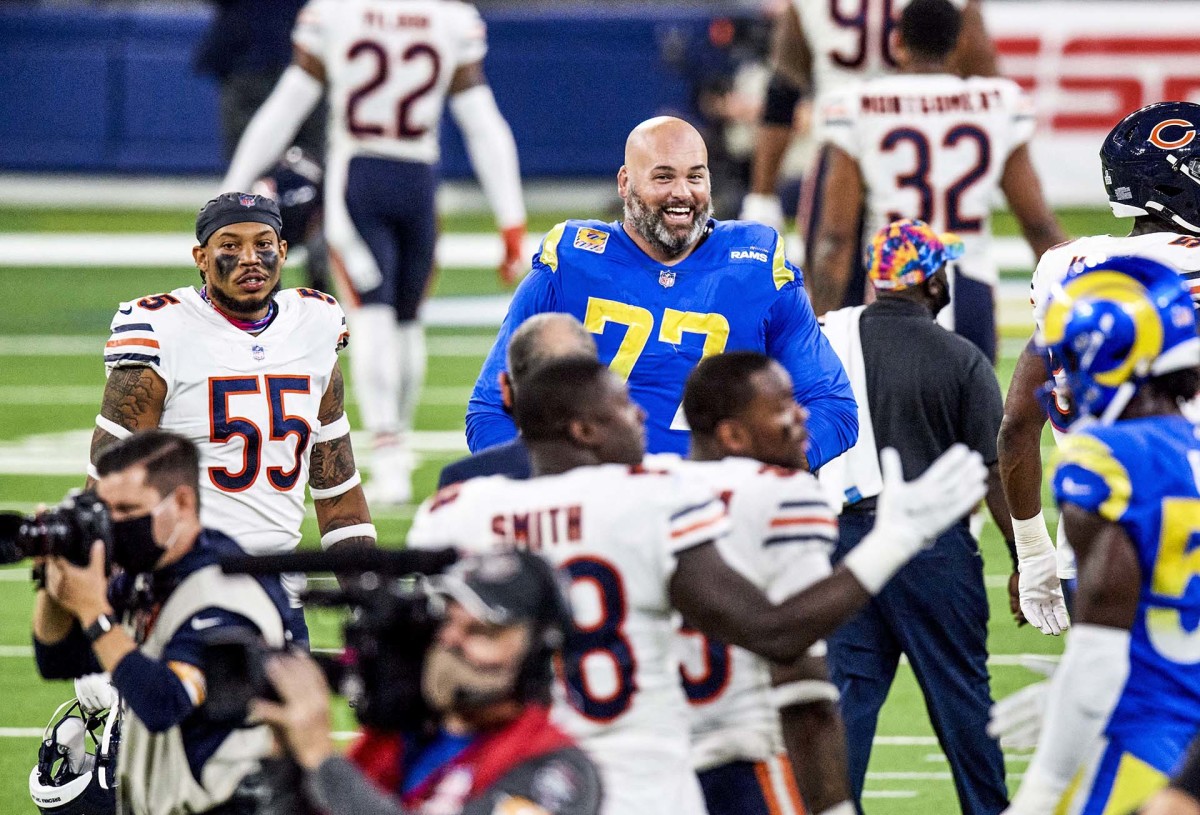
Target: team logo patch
[(259, 352), (247, 200), (591, 240), (666, 279), (749, 254), (1159, 138)]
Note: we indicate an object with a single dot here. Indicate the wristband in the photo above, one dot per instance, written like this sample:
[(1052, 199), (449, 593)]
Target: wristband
[(104, 623), (346, 532)]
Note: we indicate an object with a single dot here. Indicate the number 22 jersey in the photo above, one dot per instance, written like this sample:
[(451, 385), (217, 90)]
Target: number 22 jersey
[(614, 531), (249, 402)]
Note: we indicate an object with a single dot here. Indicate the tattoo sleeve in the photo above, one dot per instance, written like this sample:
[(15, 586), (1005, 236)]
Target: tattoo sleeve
[(333, 402), (133, 398)]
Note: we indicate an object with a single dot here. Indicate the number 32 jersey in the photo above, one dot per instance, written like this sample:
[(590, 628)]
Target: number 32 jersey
[(933, 147), (250, 403), (614, 532)]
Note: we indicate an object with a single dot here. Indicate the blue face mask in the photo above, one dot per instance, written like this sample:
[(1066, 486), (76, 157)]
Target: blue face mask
[(134, 547)]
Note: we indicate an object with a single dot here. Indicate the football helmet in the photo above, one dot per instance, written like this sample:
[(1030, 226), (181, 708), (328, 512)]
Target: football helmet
[(1113, 324), (1151, 164), (67, 779)]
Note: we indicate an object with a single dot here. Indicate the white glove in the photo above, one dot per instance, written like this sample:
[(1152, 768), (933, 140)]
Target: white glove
[(765, 209), (1016, 720), (95, 692), (910, 515), (1040, 591)]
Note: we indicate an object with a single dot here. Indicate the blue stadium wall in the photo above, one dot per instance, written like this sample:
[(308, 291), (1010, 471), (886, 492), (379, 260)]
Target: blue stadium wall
[(112, 90)]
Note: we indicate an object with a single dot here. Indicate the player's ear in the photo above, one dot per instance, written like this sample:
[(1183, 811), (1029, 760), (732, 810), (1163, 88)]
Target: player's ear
[(200, 257), (622, 181), (584, 433), (283, 246), (732, 437), (898, 49)]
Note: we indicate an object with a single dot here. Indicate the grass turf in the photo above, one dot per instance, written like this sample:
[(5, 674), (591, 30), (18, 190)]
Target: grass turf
[(55, 393)]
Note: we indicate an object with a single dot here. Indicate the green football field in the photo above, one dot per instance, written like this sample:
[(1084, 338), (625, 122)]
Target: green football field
[(53, 322)]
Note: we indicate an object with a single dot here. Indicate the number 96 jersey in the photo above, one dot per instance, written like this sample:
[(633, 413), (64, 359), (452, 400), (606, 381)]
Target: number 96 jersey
[(614, 532), (250, 403)]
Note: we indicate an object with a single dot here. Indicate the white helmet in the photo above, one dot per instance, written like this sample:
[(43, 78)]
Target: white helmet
[(68, 780)]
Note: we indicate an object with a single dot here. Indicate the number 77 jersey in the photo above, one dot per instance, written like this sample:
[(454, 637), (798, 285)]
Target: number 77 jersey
[(249, 402), (932, 147), (614, 532)]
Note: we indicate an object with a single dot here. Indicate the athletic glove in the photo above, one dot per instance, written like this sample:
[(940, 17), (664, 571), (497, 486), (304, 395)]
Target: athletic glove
[(910, 515), (1016, 720), (95, 692), (1041, 593), (765, 209), (514, 265)]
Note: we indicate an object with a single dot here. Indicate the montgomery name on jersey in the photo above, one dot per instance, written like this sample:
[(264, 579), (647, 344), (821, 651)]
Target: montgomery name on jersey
[(782, 531), (249, 402), (933, 147), (614, 530)]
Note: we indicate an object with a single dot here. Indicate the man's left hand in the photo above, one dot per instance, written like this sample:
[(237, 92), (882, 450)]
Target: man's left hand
[(514, 265), (302, 718), (83, 592)]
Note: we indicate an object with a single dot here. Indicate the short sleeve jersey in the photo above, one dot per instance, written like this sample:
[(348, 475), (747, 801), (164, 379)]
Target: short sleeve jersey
[(388, 69)]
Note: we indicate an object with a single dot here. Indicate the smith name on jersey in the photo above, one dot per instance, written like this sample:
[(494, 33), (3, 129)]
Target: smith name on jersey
[(249, 402), (653, 323), (1143, 475), (933, 147), (614, 531)]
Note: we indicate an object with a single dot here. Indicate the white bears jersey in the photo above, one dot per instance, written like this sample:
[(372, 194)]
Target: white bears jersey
[(388, 67), (782, 534), (250, 403), (933, 147), (614, 531), (848, 40), (1180, 252)]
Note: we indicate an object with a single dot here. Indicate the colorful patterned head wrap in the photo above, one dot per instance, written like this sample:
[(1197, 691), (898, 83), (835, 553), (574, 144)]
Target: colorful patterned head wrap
[(907, 253)]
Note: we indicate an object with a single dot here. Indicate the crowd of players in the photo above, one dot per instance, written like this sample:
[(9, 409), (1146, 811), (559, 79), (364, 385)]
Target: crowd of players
[(695, 676)]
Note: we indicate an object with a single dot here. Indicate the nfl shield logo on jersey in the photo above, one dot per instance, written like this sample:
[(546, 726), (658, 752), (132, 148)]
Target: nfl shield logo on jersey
[(247, 200), (666, 279), (259, 352)]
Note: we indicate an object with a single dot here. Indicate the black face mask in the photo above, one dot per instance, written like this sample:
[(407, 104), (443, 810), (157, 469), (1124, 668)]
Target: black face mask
[(134, 549)]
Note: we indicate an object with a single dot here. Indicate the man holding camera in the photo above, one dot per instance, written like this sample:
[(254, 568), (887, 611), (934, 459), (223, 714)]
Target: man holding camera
[(172, 758), (487, 677)]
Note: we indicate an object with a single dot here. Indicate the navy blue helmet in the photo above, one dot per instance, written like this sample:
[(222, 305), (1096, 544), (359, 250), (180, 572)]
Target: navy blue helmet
[(1151, 163)]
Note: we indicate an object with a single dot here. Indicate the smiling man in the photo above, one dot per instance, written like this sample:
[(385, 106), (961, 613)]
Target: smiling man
[(249, 373), (667, 286)]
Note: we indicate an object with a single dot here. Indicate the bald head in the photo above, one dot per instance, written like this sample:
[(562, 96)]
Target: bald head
[(665, 185), (546, 337), (661, 137)]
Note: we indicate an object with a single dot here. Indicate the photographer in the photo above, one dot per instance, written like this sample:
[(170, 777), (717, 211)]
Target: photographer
[(172, 759), (487, 675)]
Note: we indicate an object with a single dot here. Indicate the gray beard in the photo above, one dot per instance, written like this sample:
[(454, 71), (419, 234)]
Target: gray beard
[(650, 225)]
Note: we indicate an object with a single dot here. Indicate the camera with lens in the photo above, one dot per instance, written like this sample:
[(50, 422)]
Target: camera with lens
[(68, 530), (391, 625)]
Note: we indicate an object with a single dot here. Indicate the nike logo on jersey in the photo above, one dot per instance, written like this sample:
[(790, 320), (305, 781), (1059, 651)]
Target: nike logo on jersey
[(126, 310), (201, 624)]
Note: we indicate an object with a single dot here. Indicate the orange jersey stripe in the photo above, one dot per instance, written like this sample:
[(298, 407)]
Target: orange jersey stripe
[(678, 533), (768, 789), (147, 343), (804, 519)]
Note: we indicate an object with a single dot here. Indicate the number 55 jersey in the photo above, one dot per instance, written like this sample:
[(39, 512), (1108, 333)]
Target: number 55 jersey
[(1143, 475), (614, 532), (249, 402)]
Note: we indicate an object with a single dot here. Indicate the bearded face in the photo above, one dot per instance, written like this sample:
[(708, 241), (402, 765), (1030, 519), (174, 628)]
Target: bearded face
[(671, 224)]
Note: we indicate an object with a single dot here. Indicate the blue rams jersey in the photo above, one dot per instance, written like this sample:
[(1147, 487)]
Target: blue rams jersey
[(1142, 474), (653, 323)]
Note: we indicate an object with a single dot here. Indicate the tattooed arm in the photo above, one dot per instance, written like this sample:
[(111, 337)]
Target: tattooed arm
[(331, 469), (133, 399)]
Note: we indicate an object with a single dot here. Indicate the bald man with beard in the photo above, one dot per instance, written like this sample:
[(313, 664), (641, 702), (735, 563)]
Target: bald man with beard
[(666, 286)]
